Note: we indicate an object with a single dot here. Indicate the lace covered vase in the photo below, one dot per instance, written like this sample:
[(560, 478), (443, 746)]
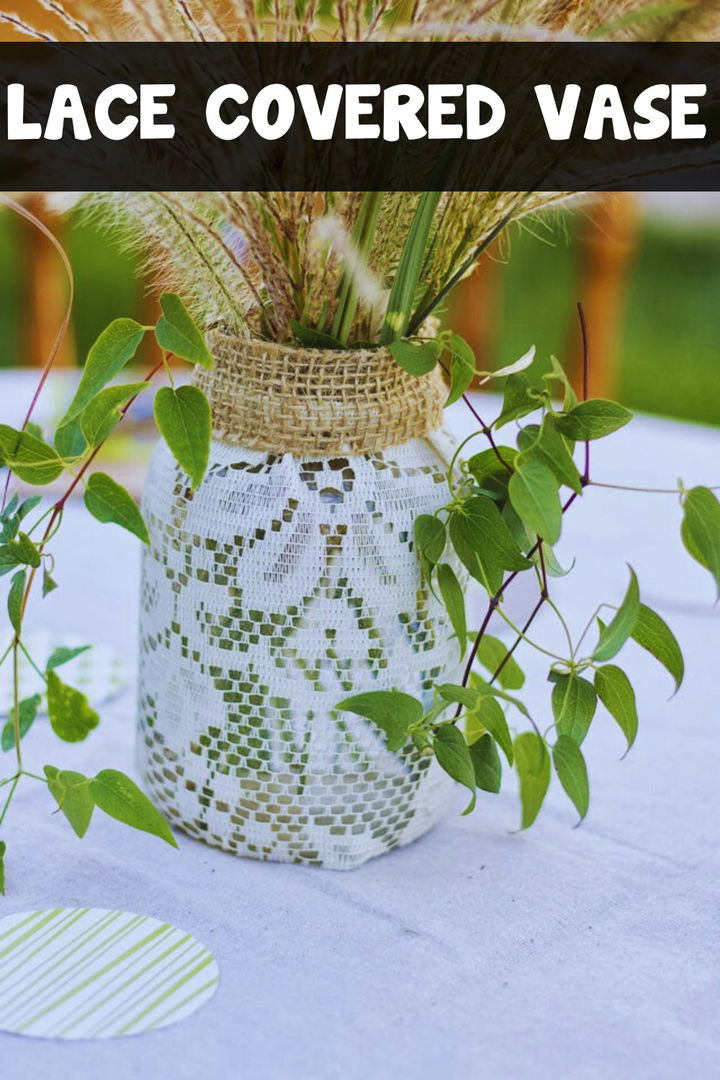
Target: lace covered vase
[(287, 581)]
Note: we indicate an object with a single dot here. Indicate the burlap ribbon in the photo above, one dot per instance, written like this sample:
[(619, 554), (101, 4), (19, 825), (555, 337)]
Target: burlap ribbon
[(284, 399)]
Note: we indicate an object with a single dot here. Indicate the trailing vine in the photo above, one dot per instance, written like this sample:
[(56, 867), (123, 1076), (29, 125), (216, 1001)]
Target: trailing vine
[(29, 525), (502, 520)]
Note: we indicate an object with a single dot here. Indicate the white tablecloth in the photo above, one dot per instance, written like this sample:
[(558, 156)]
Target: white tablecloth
[(555, 953)]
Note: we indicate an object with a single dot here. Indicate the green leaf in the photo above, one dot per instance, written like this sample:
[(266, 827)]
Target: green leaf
[(120, 797), (475, 558), (573, 704), (314, 339), (491, 653), (71, 791), (71, 717), (102, 414), (462, 367), (48, 584), (484, 713), (490, 716), (417, 358), (616, 633), (15, 599), (69, 439), (493, 539), (10, 508), (654, 635), (454, 600), (518, 531), (27, 712), (701, 529), (489, 472), (486, 763), (63, 654), (547, 446), (176, 332), (429, 533), (116, 345), (572, 773), (557, 374), (110, 503), (31, 459), (23, 550), (593, 420), (534, 496), (392, 711), (478, 683), (28, 505), (3, 849), (532, 762), (8, 562), (459, 695), (552, 565), (184, 420), (520, 398), (453, 756), (521, 364), (617, 695)]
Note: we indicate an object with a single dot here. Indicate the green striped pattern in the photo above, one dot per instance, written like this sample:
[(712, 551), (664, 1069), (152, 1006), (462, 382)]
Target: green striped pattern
[(89, 973)]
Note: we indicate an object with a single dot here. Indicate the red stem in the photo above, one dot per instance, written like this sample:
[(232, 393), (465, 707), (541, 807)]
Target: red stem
[(60, 504)]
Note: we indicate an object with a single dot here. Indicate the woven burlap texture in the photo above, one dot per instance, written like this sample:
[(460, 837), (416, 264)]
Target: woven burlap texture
[(297, 400)]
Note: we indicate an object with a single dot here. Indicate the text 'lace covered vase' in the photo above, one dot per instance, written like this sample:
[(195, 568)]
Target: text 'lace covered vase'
[(287, 581)]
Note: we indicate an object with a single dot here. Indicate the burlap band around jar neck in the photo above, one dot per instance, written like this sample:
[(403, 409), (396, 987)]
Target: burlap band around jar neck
[(284, 399)]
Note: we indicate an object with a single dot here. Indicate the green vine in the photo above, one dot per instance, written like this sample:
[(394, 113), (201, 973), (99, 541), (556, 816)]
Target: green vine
[(29, 525), (502, 520)]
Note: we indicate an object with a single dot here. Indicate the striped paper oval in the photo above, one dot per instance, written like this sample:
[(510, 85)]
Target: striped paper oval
[(89, 973)]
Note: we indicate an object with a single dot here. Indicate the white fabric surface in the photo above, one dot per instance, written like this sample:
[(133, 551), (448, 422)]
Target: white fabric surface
[(555, 953)]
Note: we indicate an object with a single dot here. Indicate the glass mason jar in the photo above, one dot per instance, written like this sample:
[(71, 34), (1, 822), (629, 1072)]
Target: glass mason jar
[(286, 582)]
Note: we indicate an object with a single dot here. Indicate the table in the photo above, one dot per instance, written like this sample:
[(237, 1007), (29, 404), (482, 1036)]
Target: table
[(556, 953)]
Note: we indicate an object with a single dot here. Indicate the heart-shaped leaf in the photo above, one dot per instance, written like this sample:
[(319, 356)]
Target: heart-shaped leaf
[(184, 420), (110, 503), (533, 491), (393, 712), (71, 717), (620, 628), (120, 797), (573, 704), (453, 756), (532, 762), (177, 333), (617, 695), (572, 773)]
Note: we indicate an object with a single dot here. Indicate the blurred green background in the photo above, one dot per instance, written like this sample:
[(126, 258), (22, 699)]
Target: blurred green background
[(667, 335), (668, 347)]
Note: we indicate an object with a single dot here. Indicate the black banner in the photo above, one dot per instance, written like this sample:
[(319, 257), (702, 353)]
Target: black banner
[(413, 116)]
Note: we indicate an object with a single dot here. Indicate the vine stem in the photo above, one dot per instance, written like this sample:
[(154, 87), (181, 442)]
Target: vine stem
[(60, 504), (16, 643), (522, 634), (484, 428), (495, 600), (65, 322), (642, 490), (13, 785), (520, 637), (16, 705), (537, 547), (585, 381)]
